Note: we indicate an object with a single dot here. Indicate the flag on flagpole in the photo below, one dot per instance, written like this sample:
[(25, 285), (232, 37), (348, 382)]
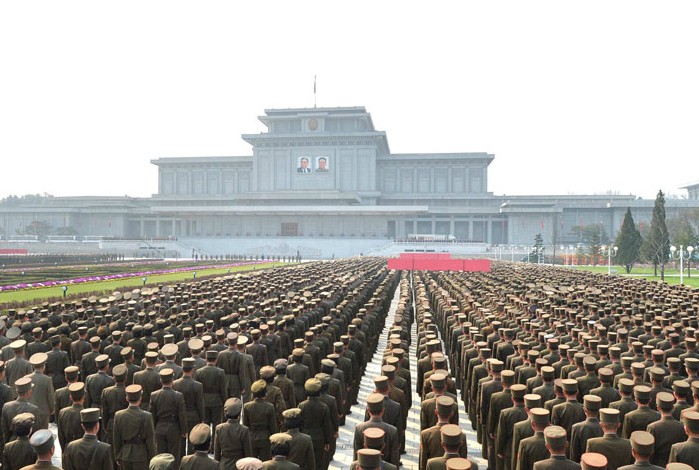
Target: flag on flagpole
[(314, 84)]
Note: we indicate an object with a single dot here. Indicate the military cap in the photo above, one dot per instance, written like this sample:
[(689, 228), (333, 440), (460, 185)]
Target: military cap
[(369, 458), (518, 391), (548, 372), (374, 437), (267, 372), (211, 354), (119, 371), (71, 372), (438, 381), (23, 385), (54, 340), (570, 385), (19, 344), (248, 463), (589, 362), (133, 392), (540, 416), (496, 366), (375, 402), (626, 385), (609, 415), (508, 377), (76, 389), (312, 385), (166, 374), (169, 350), (280, 439), (691, 363), (381, 382), (451, 434), (678, 466), (195, 344), (95, 340), (89, 415), (258, 386), (593, 461), (555, 437), (199, 434), (592, 402), (126, 352), (641, 392), (162, 462), (188, 363), (102, 360), (681, 387), (665, 400), (281, 364), (691, 420), (458, 463), (532, 400), (42, 441), (298, 352), (642, 442), (13, 333), (444, 404), (233, 407), (657, 374), (23, 420), (605, 374), (291, 413), (626, 361)]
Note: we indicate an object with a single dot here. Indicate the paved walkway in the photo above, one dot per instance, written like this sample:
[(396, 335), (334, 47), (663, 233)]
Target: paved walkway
[(343, 454)]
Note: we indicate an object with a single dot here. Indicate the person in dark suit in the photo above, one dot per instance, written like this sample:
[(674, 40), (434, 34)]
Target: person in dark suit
[(303, 166), (88, 451)]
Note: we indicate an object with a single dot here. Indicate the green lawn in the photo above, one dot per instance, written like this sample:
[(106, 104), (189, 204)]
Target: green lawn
[(106, 287), (672, 276)]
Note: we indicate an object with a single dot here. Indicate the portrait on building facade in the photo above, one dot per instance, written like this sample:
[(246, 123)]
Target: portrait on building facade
[(303, 165), (322, 165)]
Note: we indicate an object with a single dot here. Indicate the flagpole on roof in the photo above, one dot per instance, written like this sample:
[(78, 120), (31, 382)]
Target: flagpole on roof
[(314, 91)]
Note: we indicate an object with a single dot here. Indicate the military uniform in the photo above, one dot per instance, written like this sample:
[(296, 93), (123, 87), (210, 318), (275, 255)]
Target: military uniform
[(42, 394), (87, 452), (231, 443), (301, 449), (686, 452), (134, 438), (638, 420), (213, 381), (94, 385), (556, 462), (113, 401), (431, 445), (12, 409), (169, 419), (531, 450), (18, 454), (616, 449), (667, 432), (68, 423), (259, 417), (193, 394), (149, 380)]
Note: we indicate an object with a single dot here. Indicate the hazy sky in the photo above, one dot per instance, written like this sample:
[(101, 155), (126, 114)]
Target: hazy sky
[(570, 97)]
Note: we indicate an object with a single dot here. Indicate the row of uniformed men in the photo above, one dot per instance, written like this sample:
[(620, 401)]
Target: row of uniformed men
[(497, 392)]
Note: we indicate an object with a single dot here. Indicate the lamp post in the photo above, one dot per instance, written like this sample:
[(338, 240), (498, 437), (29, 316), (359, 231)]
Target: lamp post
[(512, 253), (681, 255), (609, 250)]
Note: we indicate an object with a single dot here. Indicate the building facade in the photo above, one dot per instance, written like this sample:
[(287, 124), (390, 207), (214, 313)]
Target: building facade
[(328, 173)]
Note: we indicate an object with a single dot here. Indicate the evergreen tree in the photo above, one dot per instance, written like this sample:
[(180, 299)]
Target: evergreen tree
[(629, 242), (656, 246)]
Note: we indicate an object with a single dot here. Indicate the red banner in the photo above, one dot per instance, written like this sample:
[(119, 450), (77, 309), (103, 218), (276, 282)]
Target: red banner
[(437, 262), (13, 251)]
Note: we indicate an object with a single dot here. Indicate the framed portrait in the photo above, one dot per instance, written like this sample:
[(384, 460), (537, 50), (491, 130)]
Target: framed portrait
[(303, 165), (322, 164)]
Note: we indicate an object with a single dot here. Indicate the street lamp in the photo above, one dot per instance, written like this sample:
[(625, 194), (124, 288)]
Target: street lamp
[(681, 255), (512, 253), (609, 250)]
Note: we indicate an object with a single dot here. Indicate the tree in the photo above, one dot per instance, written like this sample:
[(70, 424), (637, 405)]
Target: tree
[(40, 228), (594, 236), (656, 245), (629, 242), (538, 247)]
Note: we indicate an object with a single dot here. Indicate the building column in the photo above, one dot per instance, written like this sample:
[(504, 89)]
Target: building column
[(470, 228), (141, 233), (488, 230)]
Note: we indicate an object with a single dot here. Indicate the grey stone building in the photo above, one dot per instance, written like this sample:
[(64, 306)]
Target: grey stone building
[(327, 173)]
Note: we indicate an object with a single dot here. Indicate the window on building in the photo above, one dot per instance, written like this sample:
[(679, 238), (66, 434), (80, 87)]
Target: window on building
[(290, 229)]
